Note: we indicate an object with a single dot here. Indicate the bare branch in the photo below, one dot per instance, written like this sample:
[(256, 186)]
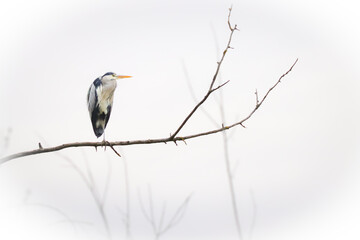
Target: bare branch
[(221, 85), (148, 141), (173, 137), (212, 82), (265, 96)]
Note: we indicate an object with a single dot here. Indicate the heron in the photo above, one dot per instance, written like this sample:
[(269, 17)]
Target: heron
[(100, 101)]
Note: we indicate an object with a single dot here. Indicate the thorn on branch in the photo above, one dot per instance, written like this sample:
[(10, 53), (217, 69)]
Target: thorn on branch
[(224, 127), (182, 139), (40, 146), (114, 150)]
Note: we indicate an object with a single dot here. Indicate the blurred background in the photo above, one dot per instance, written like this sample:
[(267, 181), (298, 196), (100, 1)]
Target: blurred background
[(294, 167)]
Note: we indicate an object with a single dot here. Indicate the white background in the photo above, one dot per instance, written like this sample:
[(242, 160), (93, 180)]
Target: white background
[(295, 165)]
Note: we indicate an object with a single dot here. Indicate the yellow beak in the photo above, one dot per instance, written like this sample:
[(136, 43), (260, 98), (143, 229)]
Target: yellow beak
[(122, 76)]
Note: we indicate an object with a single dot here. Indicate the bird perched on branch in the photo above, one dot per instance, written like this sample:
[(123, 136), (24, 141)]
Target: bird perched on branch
[(100, 100)]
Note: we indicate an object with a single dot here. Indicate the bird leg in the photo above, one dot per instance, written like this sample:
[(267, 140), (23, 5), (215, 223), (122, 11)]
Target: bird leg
[(104, 141)]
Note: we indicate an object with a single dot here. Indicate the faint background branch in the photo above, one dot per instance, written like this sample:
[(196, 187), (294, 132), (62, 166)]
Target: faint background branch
[(66, 217), (5, 141), (88, 179), (158, 224), (126, 214), (193, 95), (226, 148), (255, 212)]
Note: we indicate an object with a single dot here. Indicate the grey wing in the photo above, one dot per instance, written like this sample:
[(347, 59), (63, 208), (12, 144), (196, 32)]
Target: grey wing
[(92, 97)]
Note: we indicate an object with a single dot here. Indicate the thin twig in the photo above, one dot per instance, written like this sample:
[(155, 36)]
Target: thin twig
[(111, 146)]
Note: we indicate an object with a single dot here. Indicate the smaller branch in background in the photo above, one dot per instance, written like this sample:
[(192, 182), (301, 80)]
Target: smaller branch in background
[(66, 217), (234, 168), (252, 225), (226, 150), (158, 226), (107, 183), (212, 120), (126, 213), (5, 142), (90, 183)]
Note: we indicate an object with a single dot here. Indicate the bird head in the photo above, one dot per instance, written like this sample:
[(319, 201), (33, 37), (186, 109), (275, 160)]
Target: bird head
[(110, 76)]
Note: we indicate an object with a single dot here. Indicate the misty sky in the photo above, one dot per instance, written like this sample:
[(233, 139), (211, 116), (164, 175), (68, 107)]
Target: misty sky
[(295, 165)]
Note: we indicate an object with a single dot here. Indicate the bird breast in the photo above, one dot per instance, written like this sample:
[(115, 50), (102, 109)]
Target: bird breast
[(107, 95)]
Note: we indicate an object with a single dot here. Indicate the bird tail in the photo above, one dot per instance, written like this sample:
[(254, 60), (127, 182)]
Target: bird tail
[(98, 131)]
